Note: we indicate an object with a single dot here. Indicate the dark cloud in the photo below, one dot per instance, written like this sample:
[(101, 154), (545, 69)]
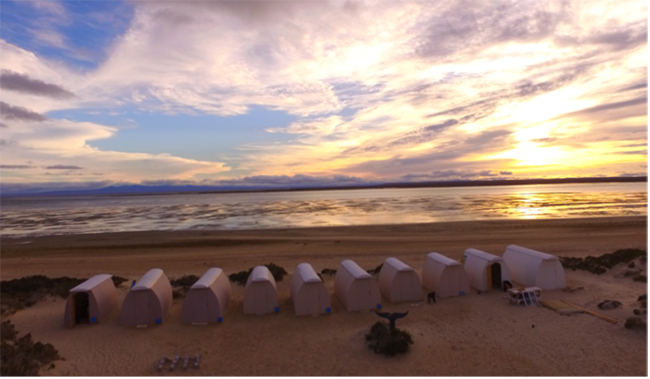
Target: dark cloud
[(15, 166), (453, 174), (488, 137), (635, 152), (64, 167), (423, 135), (642, 110), (635, 86), (441, 127), (621, 39), (627, 175), (13, 81), (294, 181), (10, 112), (33, 188), (5, 142), (480, 25)]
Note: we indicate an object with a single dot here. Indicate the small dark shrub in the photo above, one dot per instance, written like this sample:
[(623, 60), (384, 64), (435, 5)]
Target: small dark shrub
[(382, 340), (640, 278), (20, 293), (117, 280), (635, 323), (8, 331), (600, 265), (241, 277), (21, 356), (376, 269), (631, 265), (328, 271), (185, 281)]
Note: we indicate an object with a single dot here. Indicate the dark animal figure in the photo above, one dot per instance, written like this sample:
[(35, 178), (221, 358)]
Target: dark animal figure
[(431, 296), (391, 317)]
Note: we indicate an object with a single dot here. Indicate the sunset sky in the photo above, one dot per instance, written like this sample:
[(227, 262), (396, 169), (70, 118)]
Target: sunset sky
[(341, 92)]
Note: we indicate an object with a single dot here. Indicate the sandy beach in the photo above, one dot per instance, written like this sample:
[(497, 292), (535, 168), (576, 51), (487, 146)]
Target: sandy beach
[(473, 335)]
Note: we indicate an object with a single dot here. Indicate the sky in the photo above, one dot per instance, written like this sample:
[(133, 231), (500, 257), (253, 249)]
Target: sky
[(266, 93)]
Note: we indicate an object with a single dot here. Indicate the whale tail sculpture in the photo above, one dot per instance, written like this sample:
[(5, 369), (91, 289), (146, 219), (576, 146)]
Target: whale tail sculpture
[(392, 317)]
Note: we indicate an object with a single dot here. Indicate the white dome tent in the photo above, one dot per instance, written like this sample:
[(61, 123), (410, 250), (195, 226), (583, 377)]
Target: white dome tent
[(485, 271), (534, 268), (148, 301), (308, 292), (207, 299), (260, 294), (444, 276), (92, 301), (355, 288), (398, 282)]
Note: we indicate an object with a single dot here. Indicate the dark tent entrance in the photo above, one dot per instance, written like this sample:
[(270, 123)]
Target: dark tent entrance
[(494, 276), (81, 308)]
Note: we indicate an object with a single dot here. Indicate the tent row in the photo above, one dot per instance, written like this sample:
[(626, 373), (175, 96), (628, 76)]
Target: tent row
[(150, 299)]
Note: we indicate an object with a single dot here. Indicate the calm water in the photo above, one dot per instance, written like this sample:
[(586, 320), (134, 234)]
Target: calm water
[(94, 214)]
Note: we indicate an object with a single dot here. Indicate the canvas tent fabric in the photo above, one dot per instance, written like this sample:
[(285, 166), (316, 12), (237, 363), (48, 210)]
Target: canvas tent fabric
[(355, 288), (207, 299), (534, 268), (308, 292), (398, 282), (485, 271), (444, 276), (260, 294), (148, 301), (92, 301)]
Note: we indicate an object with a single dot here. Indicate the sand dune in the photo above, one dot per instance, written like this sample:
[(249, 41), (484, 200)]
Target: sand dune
[(474, 335)]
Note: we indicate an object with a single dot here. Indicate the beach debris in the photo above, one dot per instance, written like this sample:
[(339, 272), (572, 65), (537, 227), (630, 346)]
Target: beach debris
[(162, 362), (196, 360), (174, 362), (596, 314), (636, 323), (609, 304), (186, 362)]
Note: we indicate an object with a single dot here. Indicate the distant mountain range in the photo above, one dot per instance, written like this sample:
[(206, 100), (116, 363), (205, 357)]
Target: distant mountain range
[(170, 189)]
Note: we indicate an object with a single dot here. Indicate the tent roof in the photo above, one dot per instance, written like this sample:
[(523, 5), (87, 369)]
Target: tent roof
[(442, 259), (355, 270), (307, 273), (532, 253), (91, 283), (148, 280), (482, 254), (208, 278), (398, 265), (261, 274)]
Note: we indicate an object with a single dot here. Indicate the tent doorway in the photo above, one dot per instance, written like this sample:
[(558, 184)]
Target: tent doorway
[(495, 270), (81, 308)]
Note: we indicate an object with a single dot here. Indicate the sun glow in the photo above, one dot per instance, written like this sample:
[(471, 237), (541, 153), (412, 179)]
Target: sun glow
[(531, 154)]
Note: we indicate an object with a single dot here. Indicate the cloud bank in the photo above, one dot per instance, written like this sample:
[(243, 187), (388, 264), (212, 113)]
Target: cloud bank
[(379, 90)]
